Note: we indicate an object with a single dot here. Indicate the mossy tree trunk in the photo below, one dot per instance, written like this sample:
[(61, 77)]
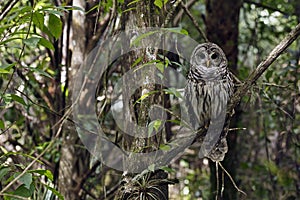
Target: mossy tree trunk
[(144, 15)]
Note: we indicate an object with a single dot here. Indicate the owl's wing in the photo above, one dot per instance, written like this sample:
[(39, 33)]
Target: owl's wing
[(197, 105)]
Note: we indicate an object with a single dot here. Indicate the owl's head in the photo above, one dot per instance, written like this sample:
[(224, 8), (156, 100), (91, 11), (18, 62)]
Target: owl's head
[(208, 61), (208, 55)]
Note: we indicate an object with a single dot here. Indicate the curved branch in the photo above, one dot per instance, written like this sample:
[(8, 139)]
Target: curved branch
[(263, 66)]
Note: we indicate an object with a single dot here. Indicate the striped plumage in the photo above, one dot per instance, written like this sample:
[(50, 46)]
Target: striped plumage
[(207, 92)]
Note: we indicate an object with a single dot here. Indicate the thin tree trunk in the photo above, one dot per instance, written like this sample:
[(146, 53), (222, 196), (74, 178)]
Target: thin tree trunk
[(74, 159)]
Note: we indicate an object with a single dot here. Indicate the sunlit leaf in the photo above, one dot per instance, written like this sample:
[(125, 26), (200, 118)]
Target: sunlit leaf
[(177, 30), (160, 67), (4, 71), (137, 61), (44, 172), (157, 124), (158, 3), (164, 147), (144, 96), (133, 2), (154, 125)]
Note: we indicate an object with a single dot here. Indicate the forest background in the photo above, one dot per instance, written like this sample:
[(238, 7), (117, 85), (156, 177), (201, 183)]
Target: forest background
[(42, 46)]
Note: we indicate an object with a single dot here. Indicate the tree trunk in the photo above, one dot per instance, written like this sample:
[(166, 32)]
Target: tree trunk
[(143, 16), (222, 22), (74, 160)]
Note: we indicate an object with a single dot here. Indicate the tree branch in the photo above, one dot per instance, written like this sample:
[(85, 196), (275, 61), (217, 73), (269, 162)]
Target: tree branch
[(180, 13), (263, 66), (194, 22)]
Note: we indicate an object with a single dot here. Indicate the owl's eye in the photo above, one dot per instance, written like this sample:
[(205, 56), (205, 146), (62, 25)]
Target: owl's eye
[(214, 56), (201, 55)]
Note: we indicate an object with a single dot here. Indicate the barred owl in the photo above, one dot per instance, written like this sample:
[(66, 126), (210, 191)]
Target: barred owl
[(209, 88)]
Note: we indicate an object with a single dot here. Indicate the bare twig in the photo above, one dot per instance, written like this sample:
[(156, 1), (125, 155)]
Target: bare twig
[(231, 179), (180, 13), (7, 8), (194, 22), (263, 66)]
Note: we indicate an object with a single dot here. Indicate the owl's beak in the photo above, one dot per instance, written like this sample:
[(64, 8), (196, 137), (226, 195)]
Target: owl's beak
[(207, 63)]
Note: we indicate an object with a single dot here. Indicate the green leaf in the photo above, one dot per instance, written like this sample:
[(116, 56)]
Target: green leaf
[(160, 67), (173, 91), (168, 169), (32, 42), (26, 179), (44, 172), (144, 96), (22, 191), (2, 126), (177, 30), (55, 26), (38, 20), (46, 43), (9, 40), (157, 124), (154, 125), (8, 66), (18, 99), (132, 2), (137, 61), (164, 147), (158, 3), (41, 72), (3, 71), (3, 172)]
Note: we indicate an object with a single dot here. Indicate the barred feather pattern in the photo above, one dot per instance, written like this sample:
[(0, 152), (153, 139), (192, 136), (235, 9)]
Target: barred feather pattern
[(207, 92)]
